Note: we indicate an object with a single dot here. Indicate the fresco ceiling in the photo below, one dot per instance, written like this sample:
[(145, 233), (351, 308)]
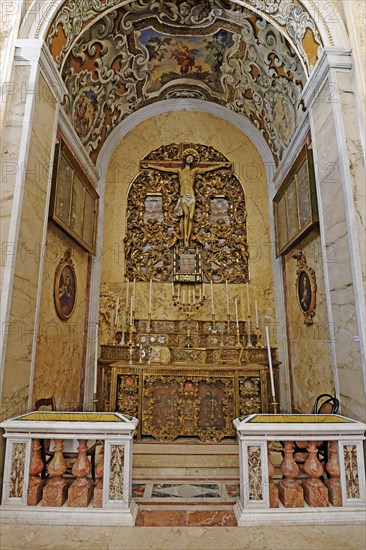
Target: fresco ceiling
[(116, 59)]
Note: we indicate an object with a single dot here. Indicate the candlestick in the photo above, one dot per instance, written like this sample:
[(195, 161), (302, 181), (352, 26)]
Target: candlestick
[(96, 359), (227, 298), (212, 299), (256, 313), (273, 392), (248, 300), (150, 295), (236, 312)]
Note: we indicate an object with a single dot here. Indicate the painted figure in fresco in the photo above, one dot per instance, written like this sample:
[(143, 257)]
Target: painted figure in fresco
[(184, 57), (186, 204)]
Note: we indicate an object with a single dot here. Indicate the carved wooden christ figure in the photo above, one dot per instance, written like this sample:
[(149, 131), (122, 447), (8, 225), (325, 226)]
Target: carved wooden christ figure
[(187, 174)]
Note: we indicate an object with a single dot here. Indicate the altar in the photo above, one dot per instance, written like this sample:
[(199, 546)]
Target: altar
[(180, 391)]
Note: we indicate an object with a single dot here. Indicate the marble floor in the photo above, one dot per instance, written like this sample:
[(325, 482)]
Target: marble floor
[(305, 537)]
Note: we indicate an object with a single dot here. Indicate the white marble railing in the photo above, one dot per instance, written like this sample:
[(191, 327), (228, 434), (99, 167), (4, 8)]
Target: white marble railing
[(300, 488), (74, 499)]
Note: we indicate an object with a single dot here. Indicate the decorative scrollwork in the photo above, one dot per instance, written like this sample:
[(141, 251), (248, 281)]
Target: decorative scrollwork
[(122, 62), (219, 223)]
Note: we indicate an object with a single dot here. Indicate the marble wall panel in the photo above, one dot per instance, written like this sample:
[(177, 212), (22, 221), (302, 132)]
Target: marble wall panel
[(311, 370), (10, 151), (192, 127), (28, 249), (333, 194), (59, 368)]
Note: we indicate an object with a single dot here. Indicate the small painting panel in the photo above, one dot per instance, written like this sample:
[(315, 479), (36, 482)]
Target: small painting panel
[(65, 287)]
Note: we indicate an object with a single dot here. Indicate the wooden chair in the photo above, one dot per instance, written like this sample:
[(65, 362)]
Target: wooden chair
[(46, 450), (323, 404)]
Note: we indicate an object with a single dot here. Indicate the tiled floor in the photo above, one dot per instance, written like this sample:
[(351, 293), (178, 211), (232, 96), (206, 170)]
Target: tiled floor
[(195, 492)]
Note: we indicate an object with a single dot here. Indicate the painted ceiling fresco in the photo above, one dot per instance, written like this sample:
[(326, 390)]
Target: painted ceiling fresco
[(115, 60)]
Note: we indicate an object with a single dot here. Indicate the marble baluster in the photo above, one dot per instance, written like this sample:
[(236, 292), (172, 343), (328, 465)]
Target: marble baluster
[(55, 490), (290, 492), (315, 493), (273, 490), (333, 483), (99, 473), (81, 490), (35, 481)]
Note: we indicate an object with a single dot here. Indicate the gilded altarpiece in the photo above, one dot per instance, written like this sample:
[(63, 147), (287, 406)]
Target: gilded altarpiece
[(155, 221)]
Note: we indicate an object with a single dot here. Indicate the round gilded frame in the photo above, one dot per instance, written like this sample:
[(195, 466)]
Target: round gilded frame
[(65, 289)]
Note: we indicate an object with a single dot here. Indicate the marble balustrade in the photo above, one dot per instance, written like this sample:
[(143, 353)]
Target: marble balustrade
[(299, 485), (60, 497)]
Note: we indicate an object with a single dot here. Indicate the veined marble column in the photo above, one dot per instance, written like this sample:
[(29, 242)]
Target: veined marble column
[(339, 166)]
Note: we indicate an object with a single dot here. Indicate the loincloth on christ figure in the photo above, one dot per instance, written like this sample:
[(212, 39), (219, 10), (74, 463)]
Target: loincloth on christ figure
[(186, 199)]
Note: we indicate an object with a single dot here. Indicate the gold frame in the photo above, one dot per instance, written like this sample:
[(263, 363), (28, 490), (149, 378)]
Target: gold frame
[(290, 230), (79, 197), (65, 268), (194, 276), (305, 287)]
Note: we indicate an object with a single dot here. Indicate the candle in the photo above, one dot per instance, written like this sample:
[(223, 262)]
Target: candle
[(270, 365), (183, 296), (189, 296), (172, 288), (127, 288), (150, 295), (212, 299), (194, 295), (248, 300), (116, 315), (178, 293), (236, 312), (134, 294), (227, 298), (256, 313), (203, 290), (96, 359), (131, 311)]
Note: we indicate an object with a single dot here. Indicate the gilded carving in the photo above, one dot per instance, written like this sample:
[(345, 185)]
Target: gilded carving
[(128, 394), (249, 395), (149, 244)]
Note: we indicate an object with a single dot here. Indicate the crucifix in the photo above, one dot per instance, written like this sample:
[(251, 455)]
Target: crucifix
[(189, 168)]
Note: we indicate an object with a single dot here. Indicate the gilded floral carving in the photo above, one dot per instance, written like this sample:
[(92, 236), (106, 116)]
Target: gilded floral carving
[(219, 229)]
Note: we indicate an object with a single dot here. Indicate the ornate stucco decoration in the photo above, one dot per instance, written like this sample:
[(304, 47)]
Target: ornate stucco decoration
[(154, 228), (305, 287), (130, 58)]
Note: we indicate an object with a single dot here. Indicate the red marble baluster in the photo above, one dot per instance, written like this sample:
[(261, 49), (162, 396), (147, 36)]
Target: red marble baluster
[(273, 490), (290, 492), (55, 491), (333, 484), (315, 493), (35, 481), (81, 490), (98, 490)]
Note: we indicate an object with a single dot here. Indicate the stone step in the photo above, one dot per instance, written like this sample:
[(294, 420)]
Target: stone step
[(186, 459)]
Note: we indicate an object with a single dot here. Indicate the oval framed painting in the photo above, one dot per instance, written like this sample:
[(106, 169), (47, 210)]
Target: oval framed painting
[(65, 287)]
